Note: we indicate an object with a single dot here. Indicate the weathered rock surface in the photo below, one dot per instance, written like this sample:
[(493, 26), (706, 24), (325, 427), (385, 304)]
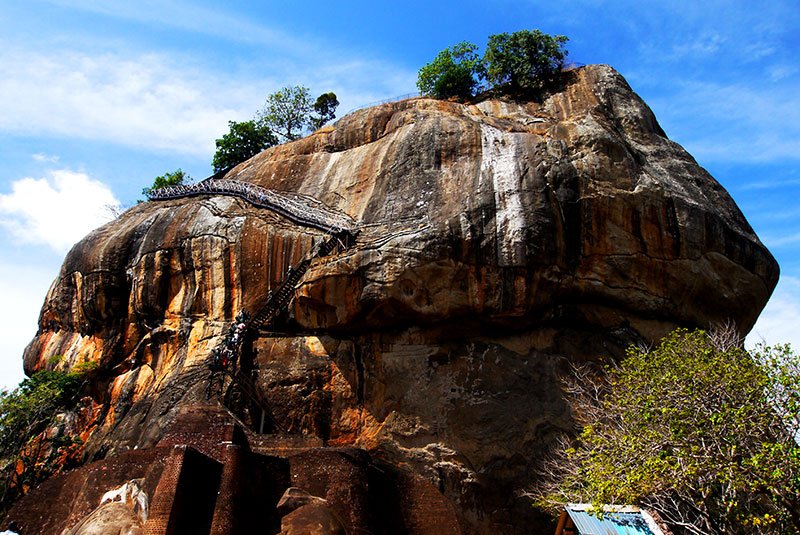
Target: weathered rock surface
[(312, 519), (497, 241), (122, 511), (209, 475)]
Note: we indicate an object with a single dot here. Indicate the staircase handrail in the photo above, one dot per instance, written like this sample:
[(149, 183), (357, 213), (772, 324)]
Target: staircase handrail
[(302, 209)]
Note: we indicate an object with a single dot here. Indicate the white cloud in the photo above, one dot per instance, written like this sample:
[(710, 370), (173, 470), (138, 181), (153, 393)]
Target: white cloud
[(779, 323), (160, 101), (23, 288), (771, 184), (57, 210), (704, 45), (779, 72), (47, 158), (149, 101)]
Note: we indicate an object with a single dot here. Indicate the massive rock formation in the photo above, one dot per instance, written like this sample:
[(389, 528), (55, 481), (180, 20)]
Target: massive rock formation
[(497, 242)]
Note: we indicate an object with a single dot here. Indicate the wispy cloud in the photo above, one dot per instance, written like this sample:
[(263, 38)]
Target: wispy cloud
[(166, 101), (702, 45), (56, 210), (142, 101), (45, 158), (771, 184), (734, 123), (777, 242), (781, 71), (777, 214), (194, 18)]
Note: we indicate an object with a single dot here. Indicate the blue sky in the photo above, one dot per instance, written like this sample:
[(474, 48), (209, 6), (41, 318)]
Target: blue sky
[(99, 97)]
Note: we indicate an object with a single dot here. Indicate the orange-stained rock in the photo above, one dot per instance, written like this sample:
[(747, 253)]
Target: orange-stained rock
[(497, 242)]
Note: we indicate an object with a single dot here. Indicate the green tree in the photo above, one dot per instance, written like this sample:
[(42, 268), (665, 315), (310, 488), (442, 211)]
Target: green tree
[(325, 108), (28, 455), (453, 73), (696, 429), (243, 141), (287, 112), (173, 178), (527, 60)]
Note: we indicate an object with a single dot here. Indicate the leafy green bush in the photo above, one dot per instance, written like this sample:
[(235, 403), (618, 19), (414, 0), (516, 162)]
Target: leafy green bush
[(452, 73), (696, 429), (26, 412), (243, 141), (526, 61)]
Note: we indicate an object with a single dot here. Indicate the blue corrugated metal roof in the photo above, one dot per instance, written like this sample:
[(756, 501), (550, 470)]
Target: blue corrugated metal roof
[(612, 523)]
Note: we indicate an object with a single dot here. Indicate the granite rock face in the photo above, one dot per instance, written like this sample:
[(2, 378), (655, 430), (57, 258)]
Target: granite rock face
[(498, 241)]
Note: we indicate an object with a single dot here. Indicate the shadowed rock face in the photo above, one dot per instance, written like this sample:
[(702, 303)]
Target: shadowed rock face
[(497, 241)]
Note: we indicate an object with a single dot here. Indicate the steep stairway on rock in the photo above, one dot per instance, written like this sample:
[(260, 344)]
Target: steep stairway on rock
[(280, 298), (224, 358), (301, 209)]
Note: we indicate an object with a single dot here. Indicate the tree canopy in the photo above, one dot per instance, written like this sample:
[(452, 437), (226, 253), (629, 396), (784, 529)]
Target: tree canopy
[(528, 59), (325, 108), (696, 429), (287, 112), (521, 62), (244, 140), (452, 73)]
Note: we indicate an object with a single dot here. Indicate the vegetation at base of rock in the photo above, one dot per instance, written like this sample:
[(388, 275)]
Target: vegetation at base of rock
[(170, 178), (32, 448), (244, 140), (526, 61), (697, 429)]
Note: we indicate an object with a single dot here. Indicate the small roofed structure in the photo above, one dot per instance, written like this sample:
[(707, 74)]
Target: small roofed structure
[(582, 519)]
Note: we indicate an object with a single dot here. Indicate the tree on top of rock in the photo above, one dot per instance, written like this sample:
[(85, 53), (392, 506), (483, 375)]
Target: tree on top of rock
[(170, 178), (243, 141), (287, 112), (325, 106), (452, 73), (524, 60)]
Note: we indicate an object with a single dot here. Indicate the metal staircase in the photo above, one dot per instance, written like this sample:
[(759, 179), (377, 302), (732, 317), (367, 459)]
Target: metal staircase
[(224, 359), (301, 209)]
